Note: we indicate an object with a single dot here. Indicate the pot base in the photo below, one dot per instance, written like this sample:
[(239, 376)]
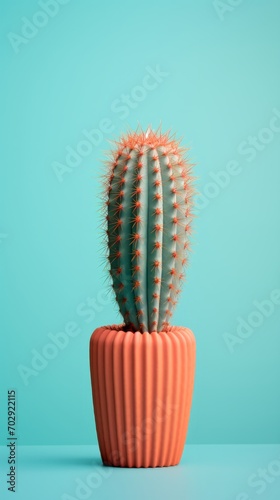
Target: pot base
[(142, 387)]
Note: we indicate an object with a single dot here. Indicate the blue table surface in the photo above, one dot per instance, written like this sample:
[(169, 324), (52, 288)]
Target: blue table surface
[(218, 472)]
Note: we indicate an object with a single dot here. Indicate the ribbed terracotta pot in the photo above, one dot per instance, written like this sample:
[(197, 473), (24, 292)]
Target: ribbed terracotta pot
[(142, 385)]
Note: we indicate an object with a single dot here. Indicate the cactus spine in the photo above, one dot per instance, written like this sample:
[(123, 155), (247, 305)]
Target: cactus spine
[(148, 212)]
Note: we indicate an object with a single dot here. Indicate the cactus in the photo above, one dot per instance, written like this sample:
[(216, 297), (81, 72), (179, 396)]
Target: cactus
[(148, 212)]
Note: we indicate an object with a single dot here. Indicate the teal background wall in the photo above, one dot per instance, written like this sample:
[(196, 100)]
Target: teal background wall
[(217, 84)]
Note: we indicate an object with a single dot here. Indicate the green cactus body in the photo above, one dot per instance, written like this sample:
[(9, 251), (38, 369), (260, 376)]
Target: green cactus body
[(148, 198)]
